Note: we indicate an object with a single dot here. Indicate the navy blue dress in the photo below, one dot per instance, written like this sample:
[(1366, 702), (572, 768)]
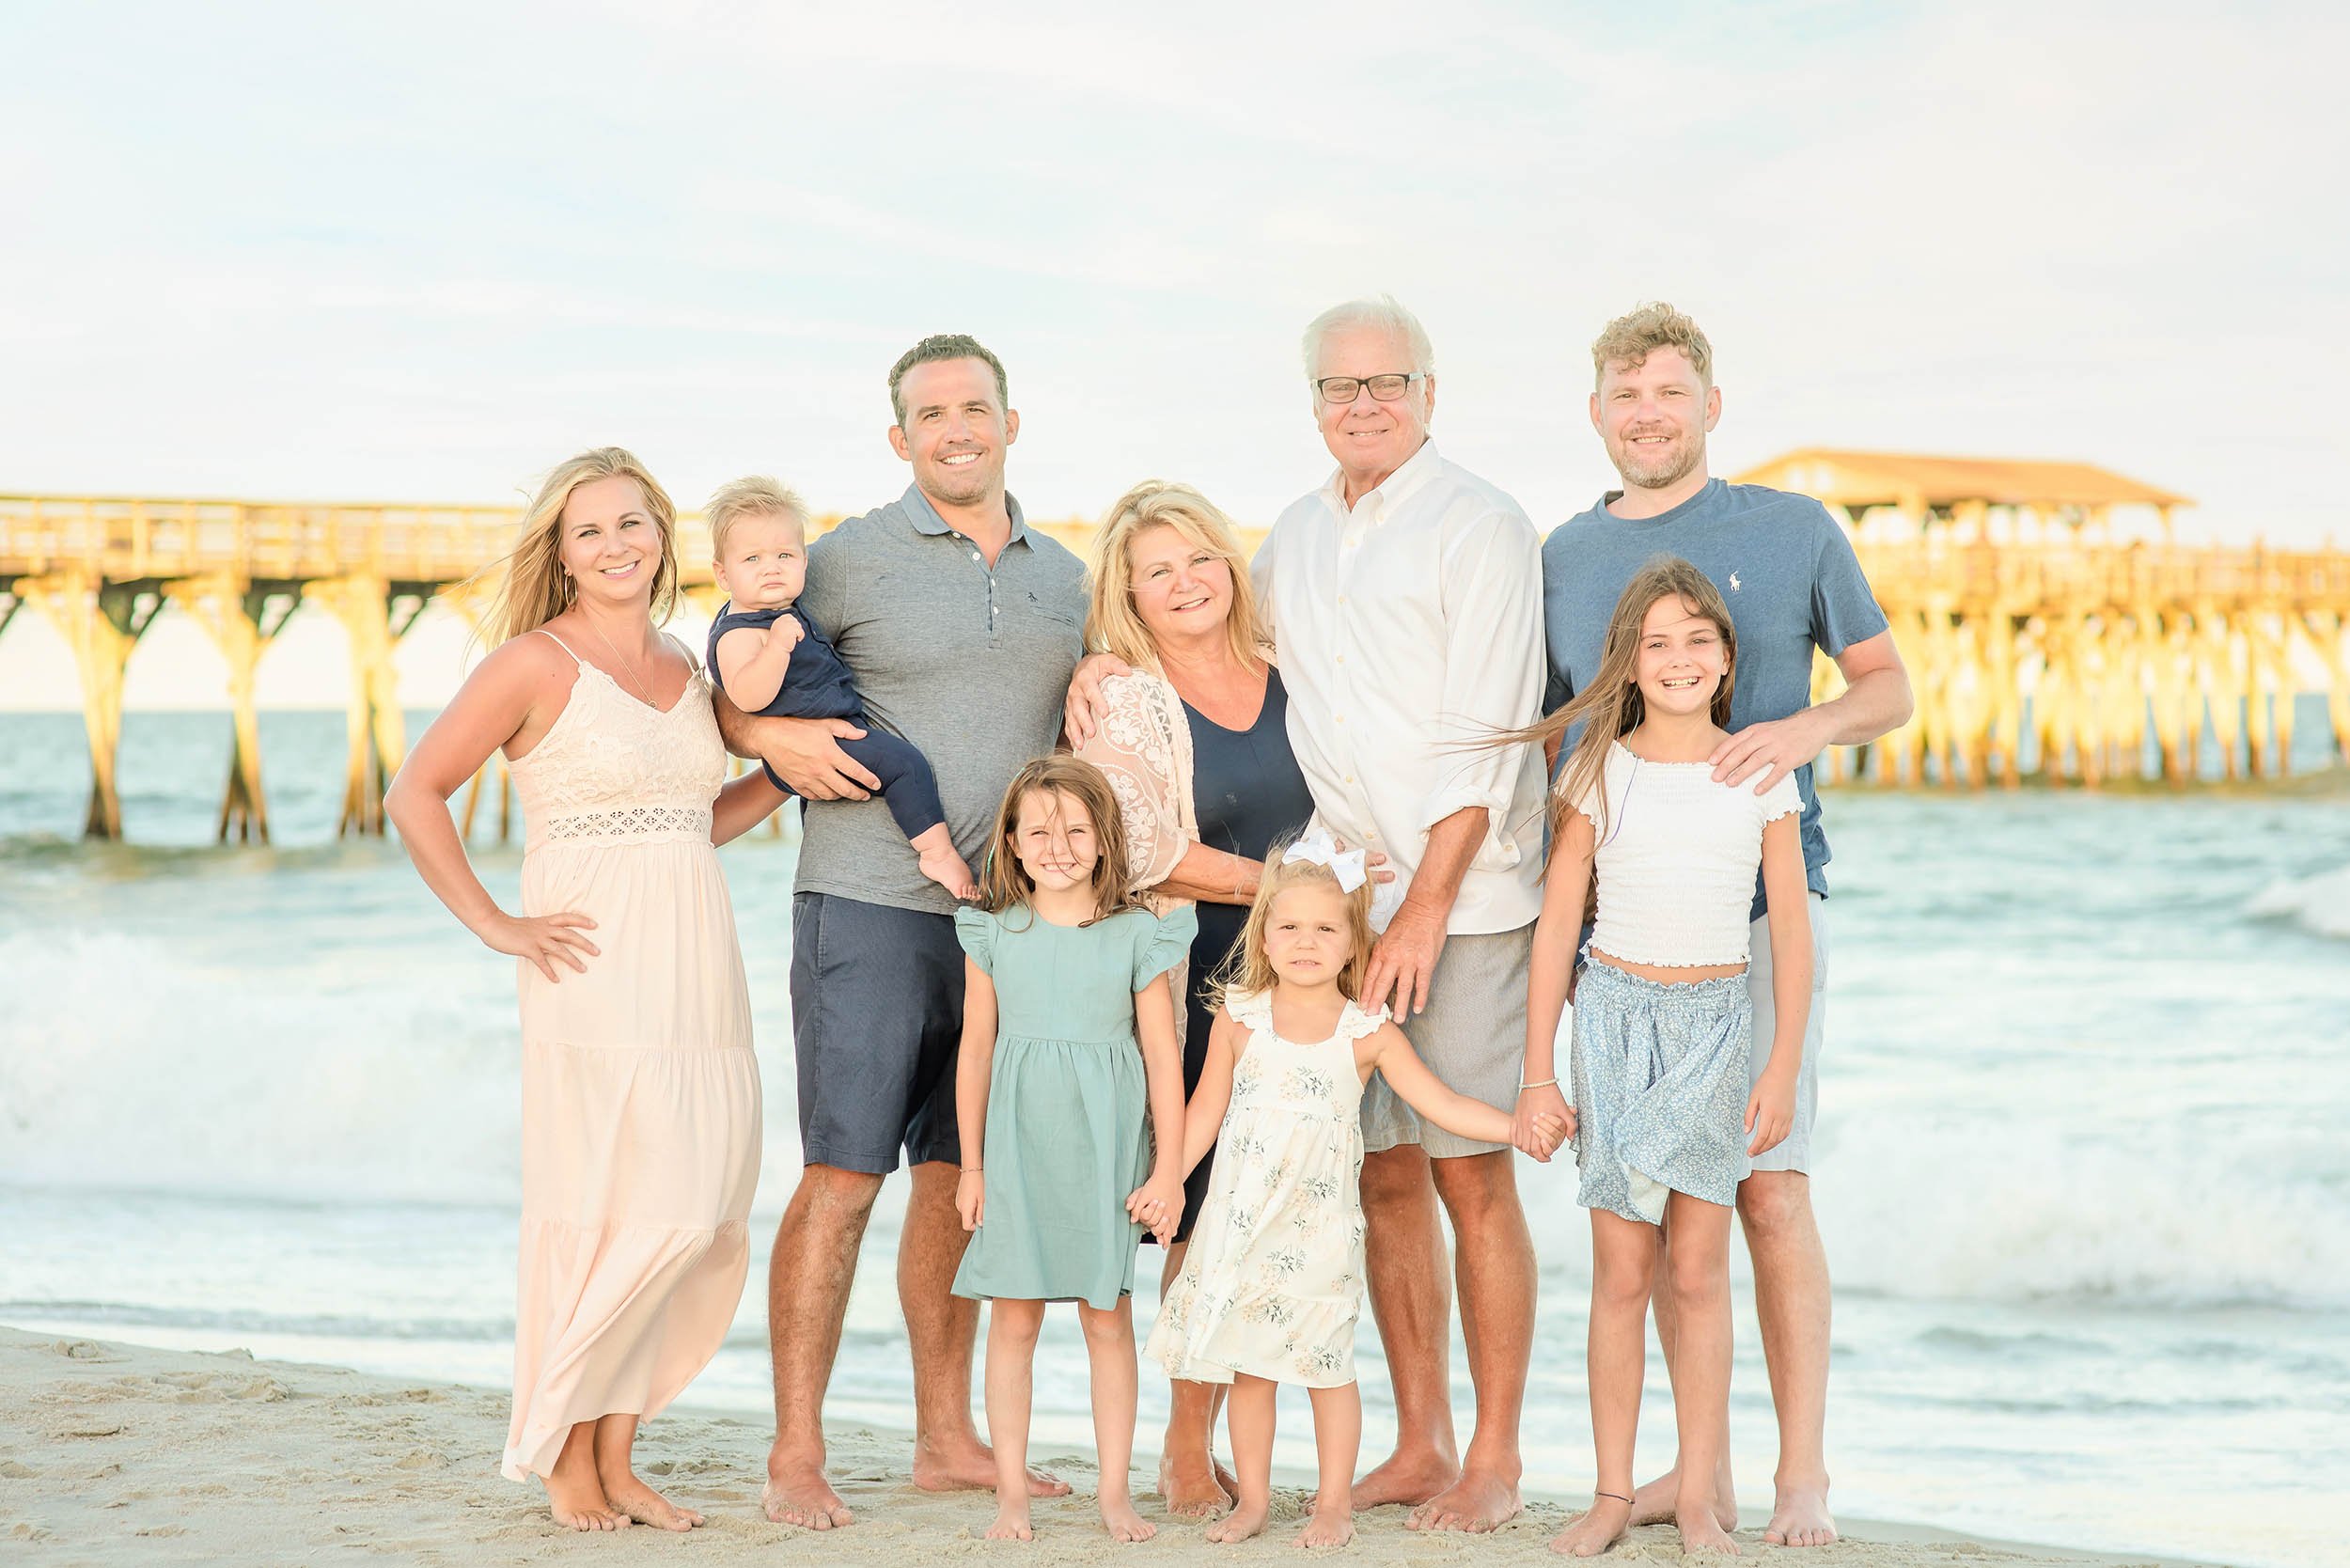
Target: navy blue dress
[(1247, 793)]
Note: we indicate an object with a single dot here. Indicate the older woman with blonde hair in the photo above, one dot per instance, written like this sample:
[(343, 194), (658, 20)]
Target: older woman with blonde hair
[(1195, 741), (641, 1107)]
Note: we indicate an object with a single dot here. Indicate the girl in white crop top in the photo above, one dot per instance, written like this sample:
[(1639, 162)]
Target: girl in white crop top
[(1664, 1125)]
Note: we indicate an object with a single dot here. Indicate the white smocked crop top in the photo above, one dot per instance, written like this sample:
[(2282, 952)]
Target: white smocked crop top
[(1675, 859)]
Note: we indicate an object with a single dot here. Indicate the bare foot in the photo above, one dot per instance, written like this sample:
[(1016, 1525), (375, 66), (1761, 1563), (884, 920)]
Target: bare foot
[(645, 1506), (1223, 1476), (1120, 1518), (1597, 1528), (1012, 1522), (1659, 1502), (1400, 1478), (1700, 1531), (1800, 1519), (942, 864), (577, 1501), (1192, 1488), (1327, 1527), (1246, 1520), (1478, 1502), (798, 1493), (969, 1466), (1652, 1502)]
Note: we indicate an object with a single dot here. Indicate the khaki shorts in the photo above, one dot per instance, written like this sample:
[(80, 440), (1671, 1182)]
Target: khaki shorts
[(1795, 1153), (1472, 1036)]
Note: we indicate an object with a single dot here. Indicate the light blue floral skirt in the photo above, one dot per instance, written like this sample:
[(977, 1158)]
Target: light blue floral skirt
[(1659, 1079)]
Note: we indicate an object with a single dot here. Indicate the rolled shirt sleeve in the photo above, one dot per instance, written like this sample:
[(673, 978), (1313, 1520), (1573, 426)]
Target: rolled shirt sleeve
[(1493, 676)]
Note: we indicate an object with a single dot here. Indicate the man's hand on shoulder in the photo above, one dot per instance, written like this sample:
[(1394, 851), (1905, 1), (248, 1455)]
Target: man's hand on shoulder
[(1771, 749)]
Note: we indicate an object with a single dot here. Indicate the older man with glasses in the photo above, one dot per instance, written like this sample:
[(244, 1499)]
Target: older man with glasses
[(1405, 598)]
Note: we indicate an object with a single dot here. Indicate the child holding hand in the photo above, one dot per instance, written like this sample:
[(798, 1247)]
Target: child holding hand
[(1273, 1285), (1663, 1023), (770, 658), (1068, 1036)]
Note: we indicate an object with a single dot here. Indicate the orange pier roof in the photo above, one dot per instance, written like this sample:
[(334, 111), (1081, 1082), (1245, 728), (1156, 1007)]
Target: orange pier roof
[(1857, 480)]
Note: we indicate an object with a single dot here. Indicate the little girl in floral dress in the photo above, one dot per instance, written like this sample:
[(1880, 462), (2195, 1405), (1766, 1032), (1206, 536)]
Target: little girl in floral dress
[(1273, 1282)]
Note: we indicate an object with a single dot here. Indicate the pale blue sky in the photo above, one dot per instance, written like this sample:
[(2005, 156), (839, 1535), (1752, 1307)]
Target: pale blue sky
[(427, 250)]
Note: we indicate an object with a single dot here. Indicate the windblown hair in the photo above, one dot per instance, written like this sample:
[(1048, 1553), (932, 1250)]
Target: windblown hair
[(1249, 970), (1609, 707), (1004, 883), (1630, 339), (755, 497), (940, 346), (532, 588), (1383, 311), (1112, 624)]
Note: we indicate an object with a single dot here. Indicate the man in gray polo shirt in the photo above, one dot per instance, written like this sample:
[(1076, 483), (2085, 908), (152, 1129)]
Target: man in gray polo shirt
[(961, 626), (1793, 585)]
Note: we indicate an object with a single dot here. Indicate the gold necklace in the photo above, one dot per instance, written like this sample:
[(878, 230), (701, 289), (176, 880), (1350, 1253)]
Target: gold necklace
[(642, 695)]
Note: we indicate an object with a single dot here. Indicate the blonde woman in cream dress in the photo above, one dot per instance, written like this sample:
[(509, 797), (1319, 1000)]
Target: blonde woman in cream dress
[(640, 1093)]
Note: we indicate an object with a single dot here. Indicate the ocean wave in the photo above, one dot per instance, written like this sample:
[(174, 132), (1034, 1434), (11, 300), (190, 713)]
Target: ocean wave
[(278, 1067), (2319, 904), (1988, 1208), (113, 1314), (133, 1064)]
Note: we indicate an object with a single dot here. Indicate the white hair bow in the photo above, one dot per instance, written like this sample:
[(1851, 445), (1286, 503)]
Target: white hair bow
[(1316, 847)]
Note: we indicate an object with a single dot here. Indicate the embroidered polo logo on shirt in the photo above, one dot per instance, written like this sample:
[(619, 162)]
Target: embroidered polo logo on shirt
[(1734, 582)]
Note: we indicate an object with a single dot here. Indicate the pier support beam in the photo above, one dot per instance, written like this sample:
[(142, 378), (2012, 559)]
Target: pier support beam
[(243, 619), (375, 614), (100, 622)]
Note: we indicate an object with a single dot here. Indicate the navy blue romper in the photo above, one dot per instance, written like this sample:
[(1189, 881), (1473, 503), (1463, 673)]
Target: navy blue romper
[(817, 686)]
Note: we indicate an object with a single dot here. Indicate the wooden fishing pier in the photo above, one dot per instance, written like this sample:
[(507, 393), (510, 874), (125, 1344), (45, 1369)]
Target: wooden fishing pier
[(2041, 639), (2039, 643)]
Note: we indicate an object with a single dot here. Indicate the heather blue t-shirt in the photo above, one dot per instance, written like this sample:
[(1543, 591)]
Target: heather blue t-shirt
[(1785, 569)]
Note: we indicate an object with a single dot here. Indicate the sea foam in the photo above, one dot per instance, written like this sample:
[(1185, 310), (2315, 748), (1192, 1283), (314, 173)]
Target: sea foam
[(2320, 903)]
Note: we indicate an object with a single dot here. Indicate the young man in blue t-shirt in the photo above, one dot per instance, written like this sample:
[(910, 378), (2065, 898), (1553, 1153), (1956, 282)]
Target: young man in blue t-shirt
[(1789, 576)]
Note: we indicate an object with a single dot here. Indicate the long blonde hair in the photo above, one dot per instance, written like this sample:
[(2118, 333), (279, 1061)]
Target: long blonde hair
[(1005, 882), (1112, 624), (1247, 970), (532, 588), (1609, 706)]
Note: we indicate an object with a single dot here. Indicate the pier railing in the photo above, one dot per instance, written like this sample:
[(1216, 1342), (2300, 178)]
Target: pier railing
[(2072, 662)]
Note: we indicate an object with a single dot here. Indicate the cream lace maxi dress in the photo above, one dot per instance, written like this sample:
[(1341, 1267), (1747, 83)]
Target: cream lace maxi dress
[(640, 1093)]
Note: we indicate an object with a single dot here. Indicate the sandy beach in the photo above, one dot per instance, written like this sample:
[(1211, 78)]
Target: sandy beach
[(116, 1454)]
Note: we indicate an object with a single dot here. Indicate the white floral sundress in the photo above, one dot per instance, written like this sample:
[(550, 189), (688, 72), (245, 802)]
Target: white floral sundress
[(1273, 1282)]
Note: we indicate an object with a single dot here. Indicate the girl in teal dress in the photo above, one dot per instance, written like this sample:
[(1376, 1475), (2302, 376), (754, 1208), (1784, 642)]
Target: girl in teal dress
[(1068, 1037)]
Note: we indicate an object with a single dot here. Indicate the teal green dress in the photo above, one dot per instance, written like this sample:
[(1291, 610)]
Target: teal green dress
[(1067, 1135)]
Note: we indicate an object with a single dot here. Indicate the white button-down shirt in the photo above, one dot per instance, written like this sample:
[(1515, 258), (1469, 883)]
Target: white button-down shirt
[(1410, 629)]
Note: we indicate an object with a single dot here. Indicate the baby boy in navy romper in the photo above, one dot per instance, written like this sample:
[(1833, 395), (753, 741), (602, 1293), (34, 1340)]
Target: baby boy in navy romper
[(771, 659)]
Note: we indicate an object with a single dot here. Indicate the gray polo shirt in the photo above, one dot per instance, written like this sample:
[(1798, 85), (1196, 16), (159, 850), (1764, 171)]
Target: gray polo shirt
[(971, 666), (1786, 569)]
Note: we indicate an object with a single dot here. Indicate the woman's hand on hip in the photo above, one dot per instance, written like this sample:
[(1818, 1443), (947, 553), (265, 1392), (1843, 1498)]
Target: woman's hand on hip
[(543, 939), (1085, 708)]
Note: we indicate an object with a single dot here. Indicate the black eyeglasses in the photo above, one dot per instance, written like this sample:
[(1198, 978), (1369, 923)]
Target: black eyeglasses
[(1385, 389)]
